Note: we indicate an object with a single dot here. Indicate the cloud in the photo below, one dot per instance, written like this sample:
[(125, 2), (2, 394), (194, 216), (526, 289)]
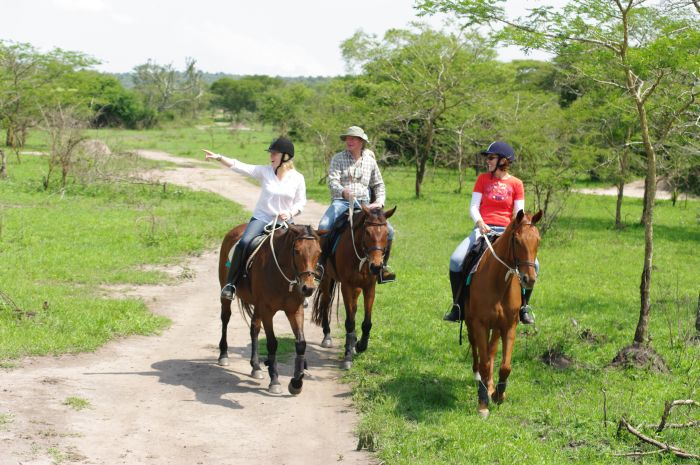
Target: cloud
[(81, 5)]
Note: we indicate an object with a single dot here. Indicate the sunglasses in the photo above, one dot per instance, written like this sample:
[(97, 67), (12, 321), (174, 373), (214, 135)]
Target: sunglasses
[(492, 157)]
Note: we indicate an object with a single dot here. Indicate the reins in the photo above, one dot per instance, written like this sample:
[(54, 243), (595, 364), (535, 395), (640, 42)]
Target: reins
[(511, 270), (352, 236), (273, 226)]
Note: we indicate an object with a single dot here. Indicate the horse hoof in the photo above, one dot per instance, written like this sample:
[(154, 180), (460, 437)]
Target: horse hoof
[(499, 399), (257, 374), (223, 362), (327, 342), (484, 413), (275, 389), (295, 390), (346, 365), (359, 347)]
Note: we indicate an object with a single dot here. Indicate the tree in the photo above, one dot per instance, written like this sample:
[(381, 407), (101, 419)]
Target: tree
[(424, 75), (639, 47), (242, 95)]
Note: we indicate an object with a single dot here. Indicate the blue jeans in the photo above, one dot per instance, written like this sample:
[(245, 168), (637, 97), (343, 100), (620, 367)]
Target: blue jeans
[(337, 208), (460, 253)]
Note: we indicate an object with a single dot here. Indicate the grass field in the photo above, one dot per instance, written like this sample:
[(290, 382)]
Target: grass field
[(414, 385)]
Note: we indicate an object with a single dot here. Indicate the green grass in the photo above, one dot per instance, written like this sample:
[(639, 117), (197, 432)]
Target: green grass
[(76, 403), (57, 250), (414, 385)]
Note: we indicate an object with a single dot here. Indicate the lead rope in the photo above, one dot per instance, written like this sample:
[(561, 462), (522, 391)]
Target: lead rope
[(511, 271), (274, 227), (351, 211)]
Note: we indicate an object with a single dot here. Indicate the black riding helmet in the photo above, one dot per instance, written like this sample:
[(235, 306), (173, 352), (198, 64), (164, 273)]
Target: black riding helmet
[(283, 146), (503, 150)]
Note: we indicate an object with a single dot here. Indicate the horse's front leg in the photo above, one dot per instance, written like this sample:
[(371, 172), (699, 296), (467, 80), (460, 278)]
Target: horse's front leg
[(493, 349), (350, 300), (223, 344), (508, 342), (271, 362), (325, 296), (481, 346), (368, 294), (296, 320), (254, 356)]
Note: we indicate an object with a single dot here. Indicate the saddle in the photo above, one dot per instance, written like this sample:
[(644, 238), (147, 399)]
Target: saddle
[(471, 261), (333, 234), (253, 247)]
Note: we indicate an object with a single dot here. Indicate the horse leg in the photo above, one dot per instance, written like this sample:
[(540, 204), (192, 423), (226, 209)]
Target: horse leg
[(481, 347), (493, 349), (271, 361), (254, 357), (361, 345), (296, 320), (508, 342), (223, 344), (350, 300), (325, 294)]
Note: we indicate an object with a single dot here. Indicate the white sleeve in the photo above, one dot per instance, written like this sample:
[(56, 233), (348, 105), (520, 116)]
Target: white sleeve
[(474, 207), (253, 171), (518, 205)]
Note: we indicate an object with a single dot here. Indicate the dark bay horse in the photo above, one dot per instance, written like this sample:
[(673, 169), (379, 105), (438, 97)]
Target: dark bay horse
[(356, 265), (281, 275), (494, 302)]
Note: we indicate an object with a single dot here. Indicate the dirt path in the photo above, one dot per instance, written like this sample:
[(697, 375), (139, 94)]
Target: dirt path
[(633, 189), (163, 399)]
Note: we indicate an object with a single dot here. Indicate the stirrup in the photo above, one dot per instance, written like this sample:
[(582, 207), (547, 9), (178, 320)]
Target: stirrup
[(386, 275), (453, 315), (526, 317), (228, 291)]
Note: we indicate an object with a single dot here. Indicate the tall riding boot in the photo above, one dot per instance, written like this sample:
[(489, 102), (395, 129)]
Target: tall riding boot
[(455, 314), (229, 290), (386, 275), (526, 317)]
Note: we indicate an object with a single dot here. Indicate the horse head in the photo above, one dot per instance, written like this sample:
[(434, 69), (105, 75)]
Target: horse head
[(306, 250), (374, 236), (525, 242)]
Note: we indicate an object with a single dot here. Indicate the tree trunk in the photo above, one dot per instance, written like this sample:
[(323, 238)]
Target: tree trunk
[(618, 207), (697, 316), (624, 158), (3, 164), (421, 161), (641, 333)]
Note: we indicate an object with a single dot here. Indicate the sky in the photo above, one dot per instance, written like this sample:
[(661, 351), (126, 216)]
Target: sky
[(273, 37)]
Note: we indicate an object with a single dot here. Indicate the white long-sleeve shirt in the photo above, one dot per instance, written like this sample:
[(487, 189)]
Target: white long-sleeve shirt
[(287, 195)]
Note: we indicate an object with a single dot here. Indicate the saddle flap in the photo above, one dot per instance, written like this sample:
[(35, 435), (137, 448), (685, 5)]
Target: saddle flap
[(473, 258)]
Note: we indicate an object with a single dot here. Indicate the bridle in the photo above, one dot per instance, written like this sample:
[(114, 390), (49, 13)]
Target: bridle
[(515, 270), (366, 223), (298, 275)]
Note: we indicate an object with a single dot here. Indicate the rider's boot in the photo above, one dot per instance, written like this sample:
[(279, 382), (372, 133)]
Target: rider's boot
[(229, 290), (455, 314), (526, 317), (386, 275)]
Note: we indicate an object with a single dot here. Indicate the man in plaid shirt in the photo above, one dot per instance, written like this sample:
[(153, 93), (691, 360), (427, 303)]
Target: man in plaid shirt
[(352, 174)]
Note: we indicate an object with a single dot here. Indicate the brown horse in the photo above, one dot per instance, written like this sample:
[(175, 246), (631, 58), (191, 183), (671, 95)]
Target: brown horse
[(281, 275), (356, 265), (494, 302)]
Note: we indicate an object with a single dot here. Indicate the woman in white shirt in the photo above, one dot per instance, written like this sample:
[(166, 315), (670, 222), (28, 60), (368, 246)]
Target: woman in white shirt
[(283, 197)]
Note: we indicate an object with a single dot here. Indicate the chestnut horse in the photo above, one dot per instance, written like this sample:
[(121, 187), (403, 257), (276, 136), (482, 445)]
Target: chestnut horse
[(358, 260), (494, 303), (281, 275)]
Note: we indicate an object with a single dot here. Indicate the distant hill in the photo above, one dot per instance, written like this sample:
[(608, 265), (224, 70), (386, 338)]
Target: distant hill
[(209, 78)]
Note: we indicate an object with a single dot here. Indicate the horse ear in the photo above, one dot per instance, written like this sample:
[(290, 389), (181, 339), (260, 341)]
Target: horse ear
[(365, 209), (390, 212), (321, 232), (537, 217), (519, 216)]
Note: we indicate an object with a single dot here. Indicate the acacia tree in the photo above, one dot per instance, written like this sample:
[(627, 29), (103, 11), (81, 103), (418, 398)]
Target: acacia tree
[(644, 45), (424, 75)]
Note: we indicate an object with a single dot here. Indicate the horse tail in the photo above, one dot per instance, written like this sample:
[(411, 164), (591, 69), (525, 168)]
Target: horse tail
[(247, 309), (322, 301)]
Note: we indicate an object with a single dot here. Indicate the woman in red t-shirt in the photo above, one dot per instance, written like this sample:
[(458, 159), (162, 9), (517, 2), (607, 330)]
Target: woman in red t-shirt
[(497, 198)]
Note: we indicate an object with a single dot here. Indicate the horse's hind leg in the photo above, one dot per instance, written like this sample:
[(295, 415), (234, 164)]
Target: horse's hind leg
[(325, 296), (481, 346), (504, 372), (296, 320), (223, 344), (493, 349), (254, 355), (350, 300), (271, 361), (361, 345)]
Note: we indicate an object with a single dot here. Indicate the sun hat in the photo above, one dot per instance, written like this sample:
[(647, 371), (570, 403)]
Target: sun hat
[(501, 149), (355, 131)]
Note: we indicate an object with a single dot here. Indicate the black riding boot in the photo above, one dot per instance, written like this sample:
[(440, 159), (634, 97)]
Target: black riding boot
[(229, 290), (526, 317), (386, 275), (455, 314)]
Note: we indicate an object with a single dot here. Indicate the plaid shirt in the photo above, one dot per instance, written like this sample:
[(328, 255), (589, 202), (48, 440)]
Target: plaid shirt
[(359, 176)]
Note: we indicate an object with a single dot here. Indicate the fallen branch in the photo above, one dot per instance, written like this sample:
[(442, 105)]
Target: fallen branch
[(661, 445), (667, 412)]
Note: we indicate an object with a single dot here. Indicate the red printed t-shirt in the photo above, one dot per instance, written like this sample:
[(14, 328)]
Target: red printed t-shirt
[(498, 198)]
